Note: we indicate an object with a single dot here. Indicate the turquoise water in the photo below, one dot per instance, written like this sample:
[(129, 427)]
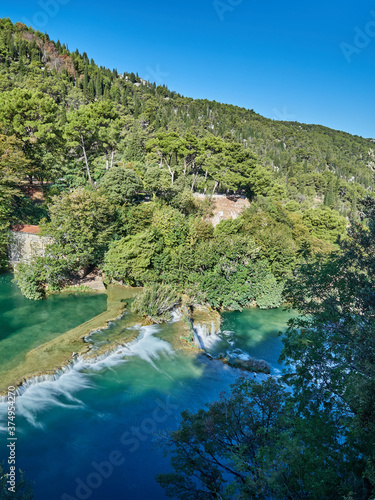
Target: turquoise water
[(25, 323), (90, 433)]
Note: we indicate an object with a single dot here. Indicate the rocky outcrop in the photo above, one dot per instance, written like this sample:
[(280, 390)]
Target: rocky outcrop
[(249, 365), (225, 207)]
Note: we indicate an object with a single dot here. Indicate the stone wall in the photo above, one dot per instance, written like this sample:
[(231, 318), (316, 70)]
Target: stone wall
[(23, 246)]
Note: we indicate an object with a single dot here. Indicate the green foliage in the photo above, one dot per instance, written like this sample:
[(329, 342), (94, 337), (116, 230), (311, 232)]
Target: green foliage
[(184, 201), (40, 275), (156, 302), (331, 344), (121, 184), (136, 218), (325, 223), (22, 489), (28, 210), (31, 284), (171, 225), (105, 113), (91, 131), (270, 294), (316, 440), (157, 180), (31, 117), (74, 122), (11, 162), (129, 259), (217, 452), (81, 224), (223, 271)]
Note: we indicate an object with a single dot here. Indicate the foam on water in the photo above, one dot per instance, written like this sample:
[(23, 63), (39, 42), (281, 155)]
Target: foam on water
[(239, 353), (40, 393), (204, 337), (176, 315)]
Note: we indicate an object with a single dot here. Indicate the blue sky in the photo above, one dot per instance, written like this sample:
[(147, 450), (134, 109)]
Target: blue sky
[(310, 62)]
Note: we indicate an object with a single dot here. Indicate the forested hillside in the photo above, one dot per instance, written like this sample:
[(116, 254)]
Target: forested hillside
[(118, 160)]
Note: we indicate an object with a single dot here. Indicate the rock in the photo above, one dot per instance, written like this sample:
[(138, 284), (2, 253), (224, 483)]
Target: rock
[(148, 321), (250, 365)]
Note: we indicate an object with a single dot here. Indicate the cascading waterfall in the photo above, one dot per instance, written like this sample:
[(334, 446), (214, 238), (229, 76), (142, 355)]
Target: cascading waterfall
[(206, 337), (99, 403), (39, 393)]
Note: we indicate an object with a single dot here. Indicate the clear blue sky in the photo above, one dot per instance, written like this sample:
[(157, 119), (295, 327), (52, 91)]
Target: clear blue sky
[(285, 60)]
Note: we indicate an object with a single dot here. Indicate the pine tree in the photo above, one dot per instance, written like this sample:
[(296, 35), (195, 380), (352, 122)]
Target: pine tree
[(86, 79), (329, 196)]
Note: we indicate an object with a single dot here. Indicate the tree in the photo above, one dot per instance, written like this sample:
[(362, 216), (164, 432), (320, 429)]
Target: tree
[(32, 118), (130, 258), (121, 184), (90, 130), (81, 226), (167, 146), (331, 345), (136, 144), (324, 223), (315, 441), (219, 452), (157, 180), (40, 274), (230, 165), (171, 225), (12, 164)]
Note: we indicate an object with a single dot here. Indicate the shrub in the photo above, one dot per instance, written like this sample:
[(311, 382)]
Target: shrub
[(156, 301)]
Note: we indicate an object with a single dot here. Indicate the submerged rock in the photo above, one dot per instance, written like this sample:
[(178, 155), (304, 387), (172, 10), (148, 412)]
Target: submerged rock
[(250, 365)]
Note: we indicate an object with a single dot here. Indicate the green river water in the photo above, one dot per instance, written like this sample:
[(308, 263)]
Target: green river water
[(69, 424)]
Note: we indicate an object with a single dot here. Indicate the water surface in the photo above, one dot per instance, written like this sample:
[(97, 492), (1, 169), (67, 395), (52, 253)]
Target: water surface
[(26, 323), (91, 432)]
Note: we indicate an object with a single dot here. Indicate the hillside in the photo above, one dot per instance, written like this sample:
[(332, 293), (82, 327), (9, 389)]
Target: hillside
[(306, 159), (150, 188)]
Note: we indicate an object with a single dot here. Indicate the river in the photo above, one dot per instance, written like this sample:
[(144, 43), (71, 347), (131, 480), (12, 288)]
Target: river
[(89, 432)]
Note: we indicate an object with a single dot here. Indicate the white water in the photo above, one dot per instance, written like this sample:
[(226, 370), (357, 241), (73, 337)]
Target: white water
[(40, 393), (204, 337), (176, 315)]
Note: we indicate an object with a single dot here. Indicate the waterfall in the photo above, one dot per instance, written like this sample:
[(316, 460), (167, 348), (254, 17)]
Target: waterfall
[(204, 336), (39, 393)]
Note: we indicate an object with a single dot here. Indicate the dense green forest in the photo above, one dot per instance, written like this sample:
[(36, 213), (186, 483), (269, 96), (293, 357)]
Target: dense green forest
[(119, 160)]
